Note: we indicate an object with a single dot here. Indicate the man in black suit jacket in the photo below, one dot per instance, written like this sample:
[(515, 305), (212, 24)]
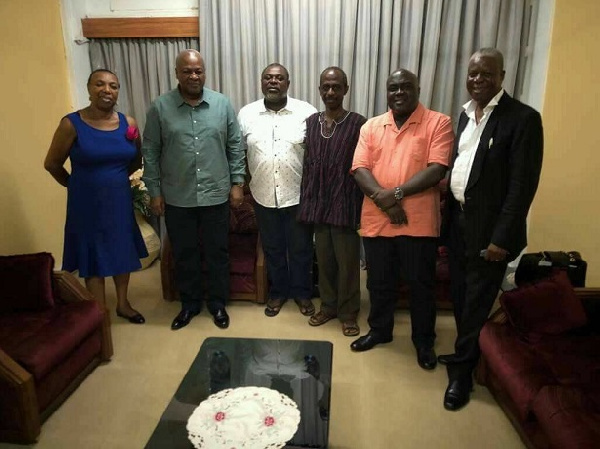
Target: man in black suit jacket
[(497, 159)]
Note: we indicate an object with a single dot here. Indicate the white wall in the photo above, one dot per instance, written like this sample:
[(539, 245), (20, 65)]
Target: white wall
[(76, 45)]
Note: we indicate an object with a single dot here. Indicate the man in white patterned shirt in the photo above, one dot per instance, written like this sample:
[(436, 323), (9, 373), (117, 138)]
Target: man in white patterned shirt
[(273, 131)]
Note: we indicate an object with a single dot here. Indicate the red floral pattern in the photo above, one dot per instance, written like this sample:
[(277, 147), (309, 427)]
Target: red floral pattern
[(269, 421)]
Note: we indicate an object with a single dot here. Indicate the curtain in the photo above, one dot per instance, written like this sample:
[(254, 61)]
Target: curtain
[(367, 38), (145, 67)]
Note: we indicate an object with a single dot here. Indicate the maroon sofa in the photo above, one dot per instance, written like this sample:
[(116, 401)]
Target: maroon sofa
[(540, 358), (52, 334), (248, 272)]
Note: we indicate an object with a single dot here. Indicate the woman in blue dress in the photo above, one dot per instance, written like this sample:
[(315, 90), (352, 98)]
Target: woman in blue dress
[(101, 236)]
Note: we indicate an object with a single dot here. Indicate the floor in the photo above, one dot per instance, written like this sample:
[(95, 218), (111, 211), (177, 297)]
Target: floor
[(381, 399)]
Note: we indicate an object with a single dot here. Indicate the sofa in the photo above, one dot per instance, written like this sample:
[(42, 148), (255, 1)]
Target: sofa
[(442, 271), (248, 271), (52, 335), (540, 358)]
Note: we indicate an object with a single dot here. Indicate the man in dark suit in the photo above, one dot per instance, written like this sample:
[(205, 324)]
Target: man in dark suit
[(497, 159)]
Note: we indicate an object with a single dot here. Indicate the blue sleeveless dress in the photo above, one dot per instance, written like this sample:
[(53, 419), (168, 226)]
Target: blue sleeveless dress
[(101, 235)]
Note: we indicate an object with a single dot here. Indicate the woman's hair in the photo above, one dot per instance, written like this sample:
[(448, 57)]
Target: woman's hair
[(101, 70)]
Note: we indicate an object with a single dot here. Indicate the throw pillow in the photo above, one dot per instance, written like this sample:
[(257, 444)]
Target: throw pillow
[(26, 281), (548, 306)]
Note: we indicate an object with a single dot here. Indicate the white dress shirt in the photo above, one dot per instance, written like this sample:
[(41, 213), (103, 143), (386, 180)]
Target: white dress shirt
[(468, 144), (275, 148)]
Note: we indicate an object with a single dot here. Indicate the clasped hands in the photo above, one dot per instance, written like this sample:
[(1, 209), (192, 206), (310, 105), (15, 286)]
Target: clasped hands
[(384, 199)]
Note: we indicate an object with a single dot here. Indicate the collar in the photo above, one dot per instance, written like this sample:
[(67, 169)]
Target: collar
[(284, 110), (181, 101), (415, 117), (470, 105)]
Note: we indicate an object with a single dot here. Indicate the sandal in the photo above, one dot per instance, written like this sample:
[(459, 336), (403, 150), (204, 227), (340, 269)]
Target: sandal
[(350, 328), (306, 306), (273, 307), (320, 318)]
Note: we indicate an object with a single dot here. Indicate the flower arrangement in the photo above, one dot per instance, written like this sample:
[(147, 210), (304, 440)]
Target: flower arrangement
[(141, 199)]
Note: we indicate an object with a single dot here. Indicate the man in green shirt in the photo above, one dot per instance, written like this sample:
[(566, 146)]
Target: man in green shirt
[(194, 169)]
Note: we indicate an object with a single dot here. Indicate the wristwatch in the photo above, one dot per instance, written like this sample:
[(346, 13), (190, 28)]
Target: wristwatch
[(398, 193), (239, 184)]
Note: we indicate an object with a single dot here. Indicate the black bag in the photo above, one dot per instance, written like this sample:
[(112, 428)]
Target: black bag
[(535, 266)]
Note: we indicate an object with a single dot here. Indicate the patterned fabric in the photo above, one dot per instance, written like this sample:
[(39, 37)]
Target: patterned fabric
[(275, 144), (329, 194), (243, 219), (244, 417)]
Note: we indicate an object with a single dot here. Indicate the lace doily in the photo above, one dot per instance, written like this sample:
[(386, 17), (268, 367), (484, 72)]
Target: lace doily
[(244, 418)]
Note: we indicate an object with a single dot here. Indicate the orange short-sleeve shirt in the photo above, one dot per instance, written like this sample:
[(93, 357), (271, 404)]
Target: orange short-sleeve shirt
[(394, 156)]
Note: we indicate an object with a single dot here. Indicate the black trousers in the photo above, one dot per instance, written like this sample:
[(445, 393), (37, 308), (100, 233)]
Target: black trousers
[(474, 286), (413, 259), (288, 247), (190, 228)]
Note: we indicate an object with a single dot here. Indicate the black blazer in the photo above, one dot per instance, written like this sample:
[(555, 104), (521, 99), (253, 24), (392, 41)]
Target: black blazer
[(503, 179)]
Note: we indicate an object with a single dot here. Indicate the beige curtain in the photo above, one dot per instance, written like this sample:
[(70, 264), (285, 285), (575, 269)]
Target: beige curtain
[(367, 38)]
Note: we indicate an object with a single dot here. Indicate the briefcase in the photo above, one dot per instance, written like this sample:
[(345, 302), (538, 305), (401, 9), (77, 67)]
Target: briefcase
[(534, 266)]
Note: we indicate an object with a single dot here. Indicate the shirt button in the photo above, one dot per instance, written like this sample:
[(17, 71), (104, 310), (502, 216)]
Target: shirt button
[(197, 152), (195, 121), (196, 138), (197, 169)]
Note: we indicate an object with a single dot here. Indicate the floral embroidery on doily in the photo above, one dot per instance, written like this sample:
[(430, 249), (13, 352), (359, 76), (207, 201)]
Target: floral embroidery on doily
[(244, 418)]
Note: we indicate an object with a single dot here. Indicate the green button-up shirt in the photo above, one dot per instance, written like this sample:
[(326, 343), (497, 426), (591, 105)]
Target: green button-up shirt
[(192, 155)]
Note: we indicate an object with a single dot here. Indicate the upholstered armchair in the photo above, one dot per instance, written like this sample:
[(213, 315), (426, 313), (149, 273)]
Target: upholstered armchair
[(248, 271), (52, 334)]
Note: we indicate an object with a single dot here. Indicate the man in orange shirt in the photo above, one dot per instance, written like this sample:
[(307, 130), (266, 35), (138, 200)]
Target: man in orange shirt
[(400, 158)]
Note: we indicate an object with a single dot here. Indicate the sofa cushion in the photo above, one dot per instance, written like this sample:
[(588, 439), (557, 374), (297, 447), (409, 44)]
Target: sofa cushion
[(41, 340), (571, 359), (242, 253), (518, 368), (243, 219), (548, 306), (570, 416), (26, 281)]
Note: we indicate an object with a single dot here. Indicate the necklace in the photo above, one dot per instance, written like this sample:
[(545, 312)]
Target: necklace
[(329, 132)]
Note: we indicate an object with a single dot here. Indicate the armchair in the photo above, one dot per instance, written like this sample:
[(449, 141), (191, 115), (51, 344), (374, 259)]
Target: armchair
[(248, 271), (52, 335)]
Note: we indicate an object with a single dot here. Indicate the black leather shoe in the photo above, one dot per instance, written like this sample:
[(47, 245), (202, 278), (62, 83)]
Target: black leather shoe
[(137, 318), (457, 395), (183, 319), (446, 359), (426, 358), (367, 342), (221, 319)]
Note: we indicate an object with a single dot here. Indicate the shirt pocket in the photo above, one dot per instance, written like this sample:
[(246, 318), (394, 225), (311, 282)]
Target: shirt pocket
[(418, 149)]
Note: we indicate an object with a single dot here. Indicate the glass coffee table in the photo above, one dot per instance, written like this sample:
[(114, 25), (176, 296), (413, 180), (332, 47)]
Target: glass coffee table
[(299, 369)]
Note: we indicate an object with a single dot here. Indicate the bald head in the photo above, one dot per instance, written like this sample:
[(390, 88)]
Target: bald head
[(187, 55), (403, 93), (189, 70), (405, 74), (492, 53)]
